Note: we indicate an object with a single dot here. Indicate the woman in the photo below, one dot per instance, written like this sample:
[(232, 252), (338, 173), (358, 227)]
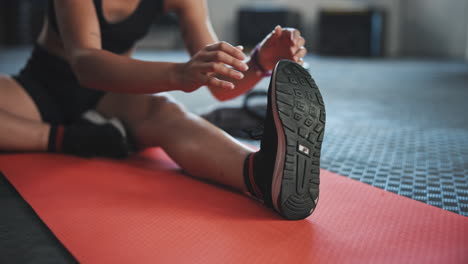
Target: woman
[(82, 62)]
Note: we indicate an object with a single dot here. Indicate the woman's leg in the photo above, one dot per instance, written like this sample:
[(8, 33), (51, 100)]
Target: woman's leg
[(284, 173), (200, 148), (21, 126)]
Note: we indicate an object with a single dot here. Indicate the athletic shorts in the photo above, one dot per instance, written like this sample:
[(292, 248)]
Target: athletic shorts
[(54, 88)]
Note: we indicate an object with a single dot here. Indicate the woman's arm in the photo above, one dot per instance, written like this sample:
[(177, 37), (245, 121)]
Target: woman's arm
[(103, 70), (100, 69), (198, 32)]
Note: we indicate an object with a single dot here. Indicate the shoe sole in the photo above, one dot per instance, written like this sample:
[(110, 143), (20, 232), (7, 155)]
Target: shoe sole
[(299, 116)]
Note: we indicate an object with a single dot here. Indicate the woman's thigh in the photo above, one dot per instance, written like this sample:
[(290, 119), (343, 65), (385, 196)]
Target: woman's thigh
[(15, 100), (133, 109)]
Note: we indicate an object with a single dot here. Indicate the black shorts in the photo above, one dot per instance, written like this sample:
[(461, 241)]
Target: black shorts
[(54, 88)]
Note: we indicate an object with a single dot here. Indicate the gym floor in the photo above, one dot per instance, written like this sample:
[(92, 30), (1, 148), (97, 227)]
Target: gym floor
[(399, 125)]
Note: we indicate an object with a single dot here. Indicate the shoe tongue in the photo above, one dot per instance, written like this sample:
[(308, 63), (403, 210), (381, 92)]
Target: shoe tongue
[(255, 133)]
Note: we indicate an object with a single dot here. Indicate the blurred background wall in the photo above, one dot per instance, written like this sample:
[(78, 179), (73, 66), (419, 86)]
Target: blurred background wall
[(308, 9), (434, 28), (413, 28)]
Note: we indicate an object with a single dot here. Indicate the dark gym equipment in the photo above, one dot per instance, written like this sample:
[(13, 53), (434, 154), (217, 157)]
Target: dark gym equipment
[(256, 21), (351, 33)]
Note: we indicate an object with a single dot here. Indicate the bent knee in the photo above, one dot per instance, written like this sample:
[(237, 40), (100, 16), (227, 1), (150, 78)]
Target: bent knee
[(164, 108)]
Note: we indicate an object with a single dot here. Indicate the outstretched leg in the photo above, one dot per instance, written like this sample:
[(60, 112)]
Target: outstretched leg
[(199, 147), (284, 173)]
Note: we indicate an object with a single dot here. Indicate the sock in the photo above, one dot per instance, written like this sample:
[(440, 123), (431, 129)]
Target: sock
[(55, 143), (87, 139), (249, 177)]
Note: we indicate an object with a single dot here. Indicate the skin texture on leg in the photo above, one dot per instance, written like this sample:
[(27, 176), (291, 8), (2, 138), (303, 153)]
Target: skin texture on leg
[(21, 126), (200, 148)]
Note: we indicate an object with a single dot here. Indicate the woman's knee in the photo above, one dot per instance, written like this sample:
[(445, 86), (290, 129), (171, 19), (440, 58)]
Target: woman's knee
[(164, 109)]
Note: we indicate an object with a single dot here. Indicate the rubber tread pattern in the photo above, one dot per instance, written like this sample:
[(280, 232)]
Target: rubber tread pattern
[(397, 125), (302, 113)]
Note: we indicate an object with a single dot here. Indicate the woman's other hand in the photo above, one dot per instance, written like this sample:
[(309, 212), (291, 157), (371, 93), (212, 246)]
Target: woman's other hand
[(281, 43)]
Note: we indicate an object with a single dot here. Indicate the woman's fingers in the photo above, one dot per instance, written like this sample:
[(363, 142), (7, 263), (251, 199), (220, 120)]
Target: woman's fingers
[(227, 48), (296, 35), (288, 35), (221, 69), (277, 31), (223, 57), (288, 40), (300, 42), (300, 53), (216, 83), (293, 37)]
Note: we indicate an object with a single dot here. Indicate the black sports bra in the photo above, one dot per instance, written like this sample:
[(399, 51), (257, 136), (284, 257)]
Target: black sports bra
[(121, 36)]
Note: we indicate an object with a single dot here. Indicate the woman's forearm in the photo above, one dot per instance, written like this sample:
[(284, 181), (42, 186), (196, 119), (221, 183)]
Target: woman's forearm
[(103, 70)]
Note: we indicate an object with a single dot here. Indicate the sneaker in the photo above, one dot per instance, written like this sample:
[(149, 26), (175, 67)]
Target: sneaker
[(285, 173)]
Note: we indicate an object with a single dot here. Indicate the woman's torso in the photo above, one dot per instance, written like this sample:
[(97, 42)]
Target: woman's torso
[(122, 23), (48, 77)]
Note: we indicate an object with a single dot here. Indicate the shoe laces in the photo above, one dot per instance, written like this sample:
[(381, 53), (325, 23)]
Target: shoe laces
[(255, 133), (249, 108)]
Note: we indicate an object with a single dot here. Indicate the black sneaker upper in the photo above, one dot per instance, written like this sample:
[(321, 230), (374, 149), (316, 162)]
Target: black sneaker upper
[(264, 160), (87, 139)]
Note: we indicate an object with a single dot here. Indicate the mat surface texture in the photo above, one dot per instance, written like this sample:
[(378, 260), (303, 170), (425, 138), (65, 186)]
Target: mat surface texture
[(145, 210)]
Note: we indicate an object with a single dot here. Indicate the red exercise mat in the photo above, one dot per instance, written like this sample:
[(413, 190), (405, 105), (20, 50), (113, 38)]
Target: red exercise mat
[(145, 211)]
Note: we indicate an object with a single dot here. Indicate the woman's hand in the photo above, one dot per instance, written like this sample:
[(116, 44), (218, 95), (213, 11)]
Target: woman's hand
[(281, 43), (212, 60)]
